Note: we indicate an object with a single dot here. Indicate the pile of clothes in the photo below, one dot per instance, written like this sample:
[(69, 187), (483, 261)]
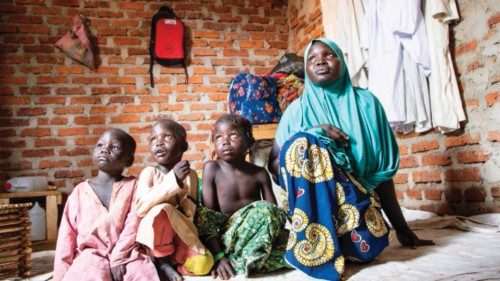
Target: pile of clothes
[(263, 98)]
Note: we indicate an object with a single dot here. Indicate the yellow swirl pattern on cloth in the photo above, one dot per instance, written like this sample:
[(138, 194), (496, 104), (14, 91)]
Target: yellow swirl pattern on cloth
[(339, 264), (375, 222), (292, 239), (348, 218), (299, 220), (340, 194), (316, 167), (317, 248)]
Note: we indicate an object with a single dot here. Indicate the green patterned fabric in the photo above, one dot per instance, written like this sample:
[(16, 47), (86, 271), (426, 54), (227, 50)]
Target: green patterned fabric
[(254, 238)]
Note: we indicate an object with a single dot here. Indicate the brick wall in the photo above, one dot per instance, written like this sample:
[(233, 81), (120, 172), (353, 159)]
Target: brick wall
[(52, 110), (305, 23), (460, 172)]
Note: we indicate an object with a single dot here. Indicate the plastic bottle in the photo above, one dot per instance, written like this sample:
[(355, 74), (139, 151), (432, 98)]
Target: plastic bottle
[(37, 183), (37, 218)]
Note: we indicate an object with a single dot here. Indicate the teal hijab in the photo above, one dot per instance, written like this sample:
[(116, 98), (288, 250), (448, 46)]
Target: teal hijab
[(372, 155)]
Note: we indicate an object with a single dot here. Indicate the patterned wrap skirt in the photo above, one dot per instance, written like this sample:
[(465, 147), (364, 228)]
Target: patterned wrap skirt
[(334, 218), (254, 238)]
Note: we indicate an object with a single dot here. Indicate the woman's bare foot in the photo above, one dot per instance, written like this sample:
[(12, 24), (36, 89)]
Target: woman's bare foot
[(166, 271)]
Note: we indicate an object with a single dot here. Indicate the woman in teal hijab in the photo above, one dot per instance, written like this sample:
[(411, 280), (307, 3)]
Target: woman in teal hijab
[(333, 148)]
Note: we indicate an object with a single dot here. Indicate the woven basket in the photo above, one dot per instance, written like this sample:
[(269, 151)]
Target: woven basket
[(15, 243)]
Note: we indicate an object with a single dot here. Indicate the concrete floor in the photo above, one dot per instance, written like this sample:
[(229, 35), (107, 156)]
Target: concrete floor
[(457, 255)]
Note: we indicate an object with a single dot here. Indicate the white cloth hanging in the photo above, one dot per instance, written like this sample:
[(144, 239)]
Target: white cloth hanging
[(396, 28), (446, 105), (344, 22)]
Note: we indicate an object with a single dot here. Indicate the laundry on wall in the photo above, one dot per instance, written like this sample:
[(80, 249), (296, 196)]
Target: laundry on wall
[(399, 50)]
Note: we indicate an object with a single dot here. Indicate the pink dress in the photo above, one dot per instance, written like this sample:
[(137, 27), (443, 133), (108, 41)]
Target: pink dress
[(92, 239)]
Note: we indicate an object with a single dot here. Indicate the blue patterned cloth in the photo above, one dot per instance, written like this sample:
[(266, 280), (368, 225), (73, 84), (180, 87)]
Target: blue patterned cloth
[(254, 97), (333, 218)]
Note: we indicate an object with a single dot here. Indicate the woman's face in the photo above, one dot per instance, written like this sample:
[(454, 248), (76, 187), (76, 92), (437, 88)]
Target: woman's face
[(322, 64)]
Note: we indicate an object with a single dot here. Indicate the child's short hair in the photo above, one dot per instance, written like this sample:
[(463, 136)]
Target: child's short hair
[(177, 129), (129, 143), (238, 122)]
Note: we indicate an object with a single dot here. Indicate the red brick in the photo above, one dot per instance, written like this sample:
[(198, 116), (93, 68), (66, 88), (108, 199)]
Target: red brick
[(66, 110), (45, 142), (72, 131), (106, 91), (15, 166), (68, 174), (462, 140), (398, 178), (474, 194), (492, 98), (477, 156), (7, 100), (424, 146), (414, 193), (37, 153), (83, 120), (403, 149), (453, 195), (7, 133), (467, 174), (77, 151), (465, 47), (31, 111), (10, 144), (433, 194), (408, 162), (103, 109), (494, 136), (51, 100), (137, 108), (126, 119), (58, 120), (86, 140), (426, 176), (121, 99), (35, 132), (11, 122), (49, 164), (494, 19), (436, 159), (85, 163)]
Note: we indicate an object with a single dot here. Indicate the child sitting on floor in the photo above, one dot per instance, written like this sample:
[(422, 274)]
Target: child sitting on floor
[(245, 233), (96, 238), (166, 199)]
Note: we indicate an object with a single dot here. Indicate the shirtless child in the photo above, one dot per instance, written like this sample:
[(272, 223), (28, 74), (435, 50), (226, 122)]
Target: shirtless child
[(98, 228), (240, 221)]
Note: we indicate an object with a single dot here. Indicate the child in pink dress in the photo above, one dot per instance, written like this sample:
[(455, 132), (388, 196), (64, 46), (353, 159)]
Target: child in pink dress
[(97, 234)]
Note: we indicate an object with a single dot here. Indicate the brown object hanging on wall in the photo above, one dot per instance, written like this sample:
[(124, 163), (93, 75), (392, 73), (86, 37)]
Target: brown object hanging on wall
[(76, 44)]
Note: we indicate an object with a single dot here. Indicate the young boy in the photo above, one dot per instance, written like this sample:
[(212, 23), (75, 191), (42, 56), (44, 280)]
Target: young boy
[(166, 199), (96, 238), (245, 233)]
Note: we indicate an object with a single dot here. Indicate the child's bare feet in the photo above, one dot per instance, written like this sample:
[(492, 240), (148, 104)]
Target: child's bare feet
[(166, 271)]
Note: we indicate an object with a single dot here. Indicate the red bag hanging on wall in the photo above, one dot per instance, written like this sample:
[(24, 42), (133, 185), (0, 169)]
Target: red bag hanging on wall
[(76, 44), (167, 40)]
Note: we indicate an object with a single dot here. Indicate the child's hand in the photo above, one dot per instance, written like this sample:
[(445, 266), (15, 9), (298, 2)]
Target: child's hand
[(181, 170), (224, 269), (117, 272)]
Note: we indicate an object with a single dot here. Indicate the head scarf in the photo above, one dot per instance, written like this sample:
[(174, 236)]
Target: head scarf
[(372, 155)]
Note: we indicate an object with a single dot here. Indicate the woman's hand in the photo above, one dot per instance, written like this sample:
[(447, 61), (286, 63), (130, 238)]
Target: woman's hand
[(117, 272), (224, 269), (336, 134), (409, 239)]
